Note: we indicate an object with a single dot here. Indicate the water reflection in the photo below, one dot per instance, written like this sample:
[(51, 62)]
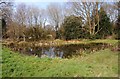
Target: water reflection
[(51, 53), (65, 51)]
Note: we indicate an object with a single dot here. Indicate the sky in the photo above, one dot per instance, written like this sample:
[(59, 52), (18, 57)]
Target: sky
[(44, 3), (66, 0), (39, 3), (41, 0)]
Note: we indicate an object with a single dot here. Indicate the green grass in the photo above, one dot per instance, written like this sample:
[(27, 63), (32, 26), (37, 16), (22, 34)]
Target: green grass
[(103, 63)]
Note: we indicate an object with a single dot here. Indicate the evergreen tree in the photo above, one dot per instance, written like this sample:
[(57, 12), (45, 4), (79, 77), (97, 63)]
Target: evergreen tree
[(117, 28), (104, 24), (72, 27), (3, 27)]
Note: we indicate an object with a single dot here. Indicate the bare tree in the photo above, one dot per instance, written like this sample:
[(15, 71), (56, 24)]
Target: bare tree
[(21, 14), (36, 20), (89, 13), (112, 10), (30, 16), (21, 20), (54, 11), (35, 16), (6, 8), (67, 9), (13, 31), (43, 17)]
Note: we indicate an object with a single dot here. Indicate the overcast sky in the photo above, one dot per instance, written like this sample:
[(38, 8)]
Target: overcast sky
[(41, 0), (44, 3), (66, 0), (39, 3)]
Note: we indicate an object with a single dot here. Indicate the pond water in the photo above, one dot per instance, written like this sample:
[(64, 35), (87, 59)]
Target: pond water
[(64, 51)]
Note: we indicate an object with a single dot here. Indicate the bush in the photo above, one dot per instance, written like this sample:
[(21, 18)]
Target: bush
[(73, 27)]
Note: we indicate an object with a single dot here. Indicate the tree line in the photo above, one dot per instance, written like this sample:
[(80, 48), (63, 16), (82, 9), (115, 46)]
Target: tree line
[(71, 20)]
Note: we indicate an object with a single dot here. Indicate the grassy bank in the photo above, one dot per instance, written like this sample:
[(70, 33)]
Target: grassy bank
[(102, 63), (57, 42)]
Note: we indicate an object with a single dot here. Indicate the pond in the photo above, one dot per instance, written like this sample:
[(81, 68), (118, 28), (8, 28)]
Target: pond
[(63, 51)]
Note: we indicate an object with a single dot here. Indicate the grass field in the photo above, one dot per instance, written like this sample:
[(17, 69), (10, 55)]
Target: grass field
[(103, 63)]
